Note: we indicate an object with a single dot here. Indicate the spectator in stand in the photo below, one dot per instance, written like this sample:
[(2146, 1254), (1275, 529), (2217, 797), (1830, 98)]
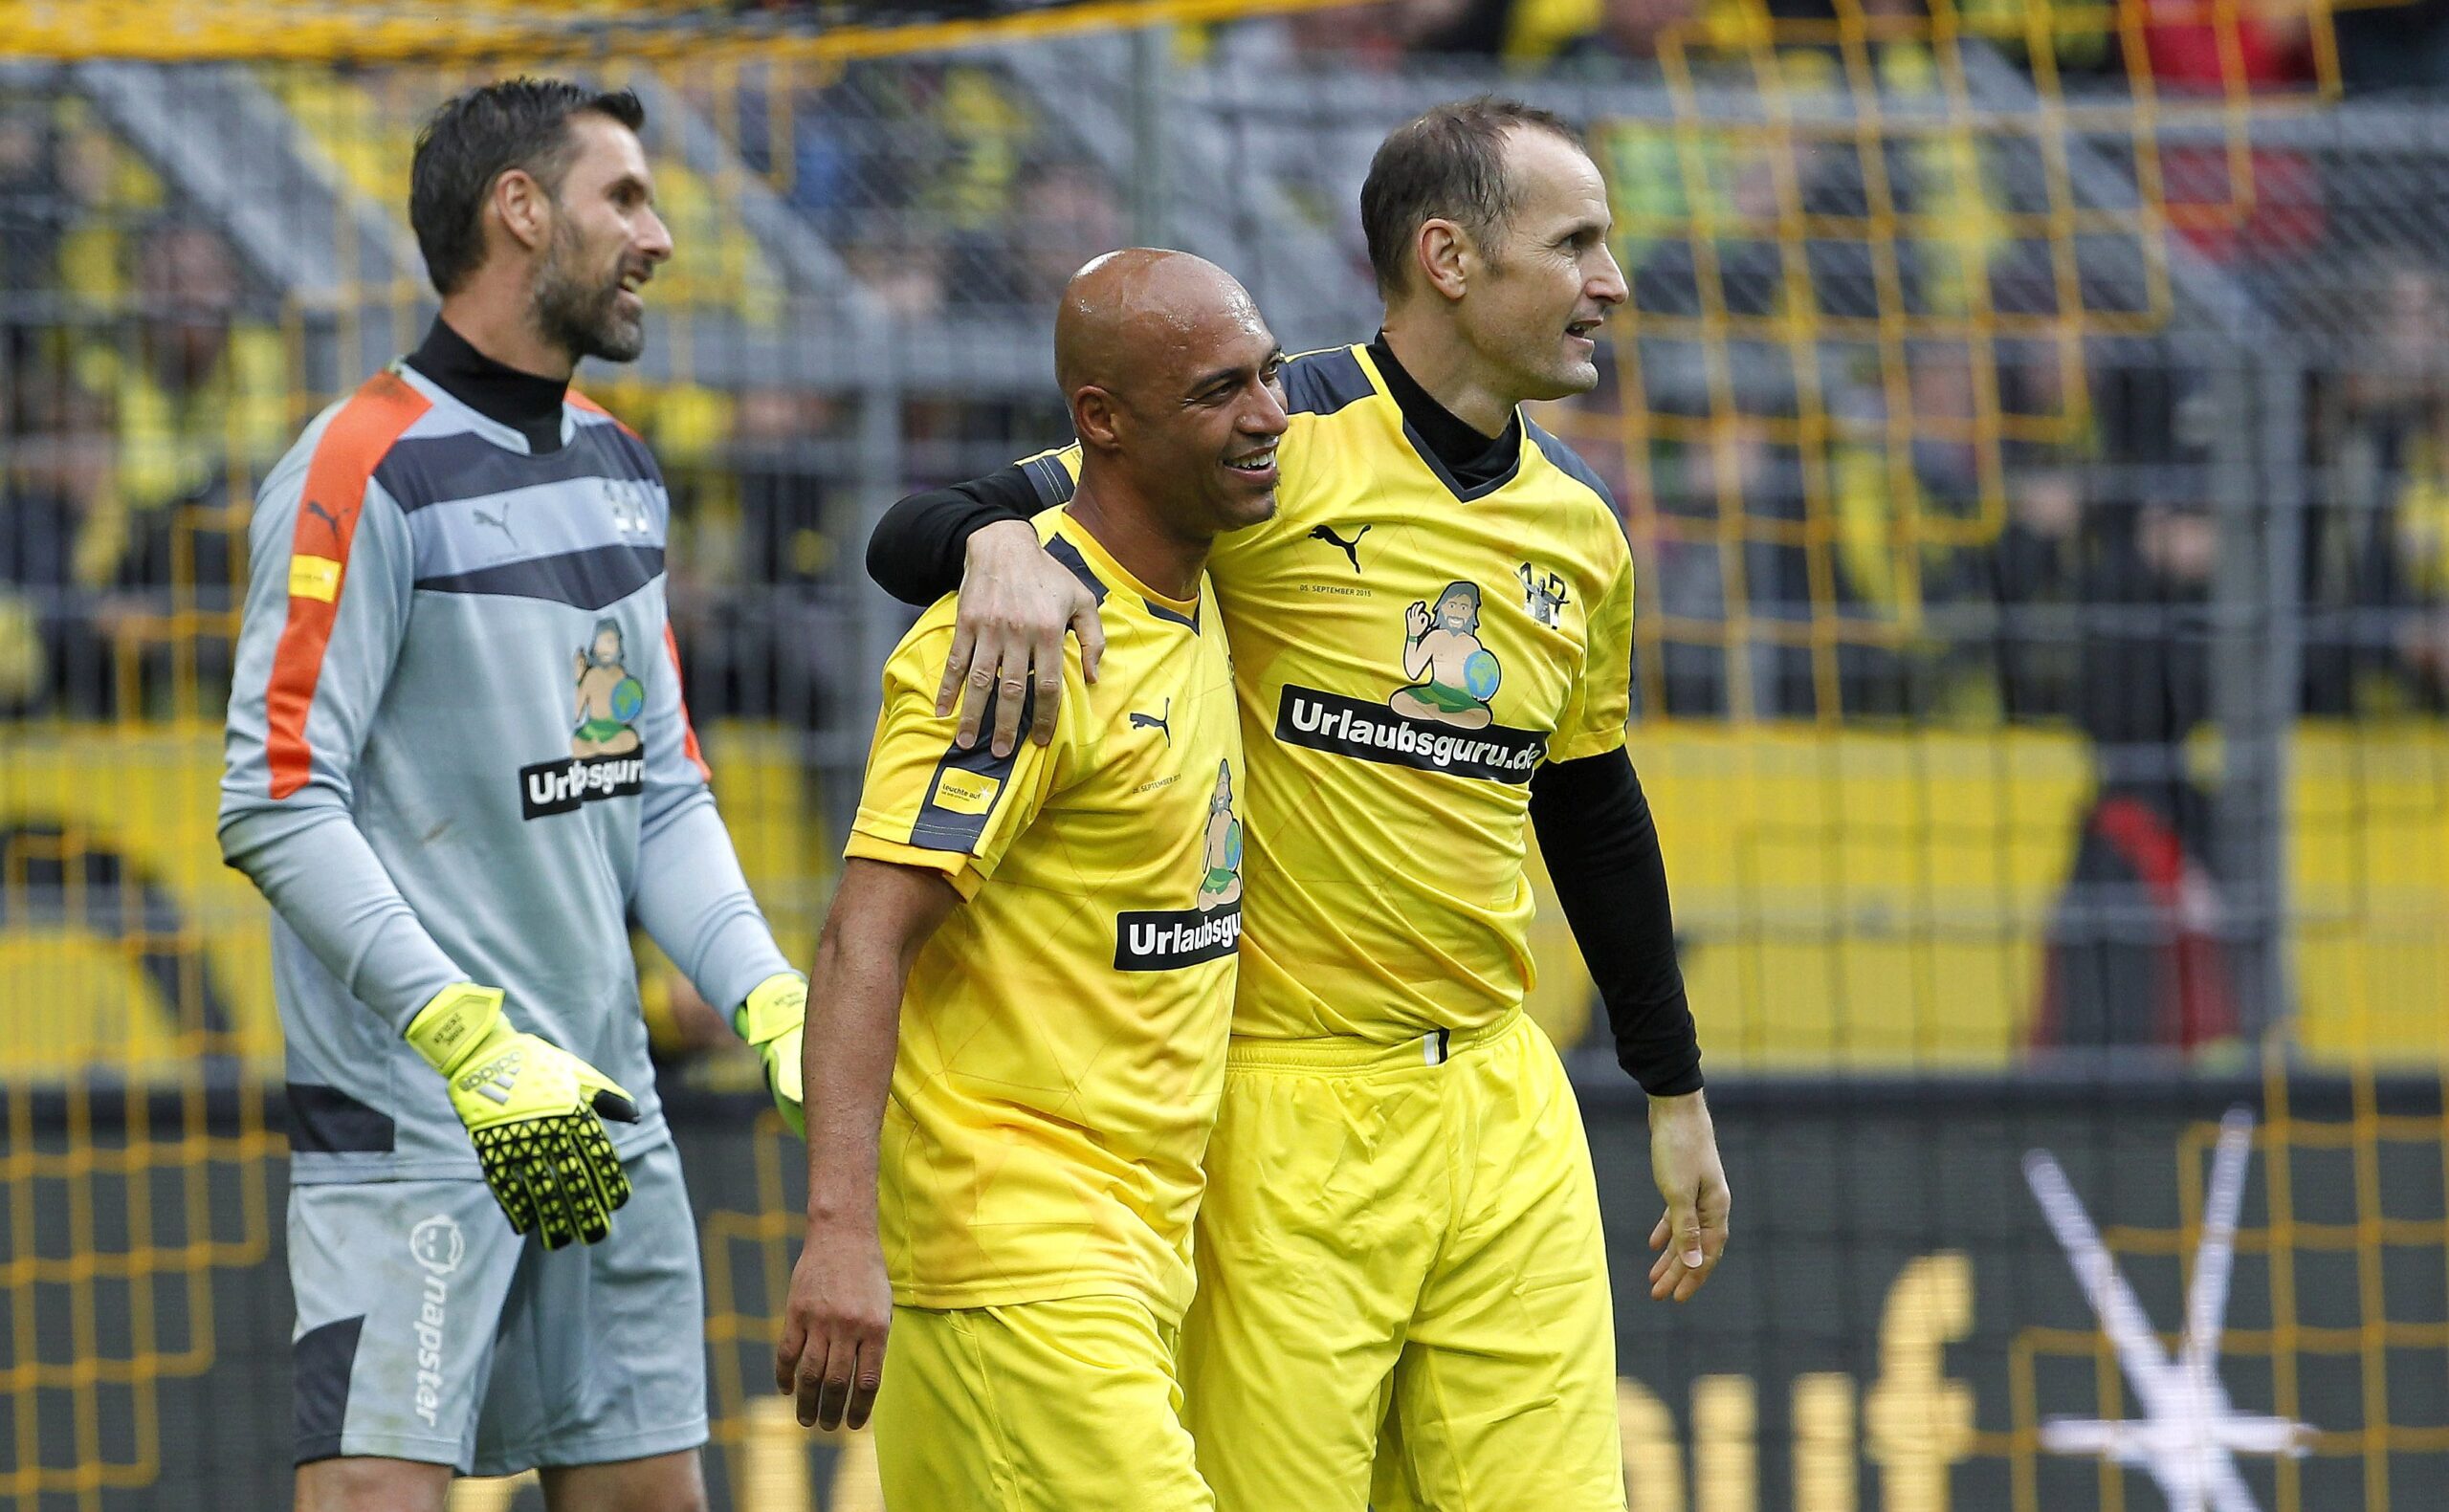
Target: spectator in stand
[(1627, 34), (2034, 570), (1065, 212), (2380, 562), (198, 395), (51, 655), (2397, 47), (2269, 45), (2136, 952), (1455, 27), (1365, 37)]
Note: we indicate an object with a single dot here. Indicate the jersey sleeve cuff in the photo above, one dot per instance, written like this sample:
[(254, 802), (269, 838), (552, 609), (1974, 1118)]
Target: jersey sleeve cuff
[(1675, 1075), (958, 867)]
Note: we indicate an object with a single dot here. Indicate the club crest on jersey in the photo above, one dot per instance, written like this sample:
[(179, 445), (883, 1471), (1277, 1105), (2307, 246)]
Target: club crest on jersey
[(607, 757), (632, 505), (1165, 940), (1440, 719), (1543, 597)]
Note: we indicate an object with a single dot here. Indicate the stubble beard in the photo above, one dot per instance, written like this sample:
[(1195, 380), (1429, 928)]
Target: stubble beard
[(582, 318)]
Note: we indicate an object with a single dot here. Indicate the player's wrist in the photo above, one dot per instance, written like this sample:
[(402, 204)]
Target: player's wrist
[(842, 1214), (772, 1009), (455, 1023), (1001, 539), (1667, 1105)]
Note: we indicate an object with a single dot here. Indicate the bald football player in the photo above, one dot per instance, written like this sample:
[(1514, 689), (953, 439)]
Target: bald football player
[(1034, 955)]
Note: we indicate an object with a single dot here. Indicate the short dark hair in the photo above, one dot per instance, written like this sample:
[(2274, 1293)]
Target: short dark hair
[(478, 137), (1447, 165)]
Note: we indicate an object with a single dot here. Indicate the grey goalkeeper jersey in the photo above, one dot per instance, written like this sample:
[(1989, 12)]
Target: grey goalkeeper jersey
[(457, 752)]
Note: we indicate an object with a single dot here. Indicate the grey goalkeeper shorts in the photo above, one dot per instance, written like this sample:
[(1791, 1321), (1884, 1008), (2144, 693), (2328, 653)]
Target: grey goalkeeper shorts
[(428, 1330)]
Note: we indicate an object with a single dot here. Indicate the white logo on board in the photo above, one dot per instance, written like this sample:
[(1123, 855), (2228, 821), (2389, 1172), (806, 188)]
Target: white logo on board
[(2190, 1433)]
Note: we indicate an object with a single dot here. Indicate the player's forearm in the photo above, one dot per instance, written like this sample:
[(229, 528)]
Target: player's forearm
[(696, 903), (921, 544), (315, 870), (879, 920), (853, 1033), (918, 549), (1602, 848)]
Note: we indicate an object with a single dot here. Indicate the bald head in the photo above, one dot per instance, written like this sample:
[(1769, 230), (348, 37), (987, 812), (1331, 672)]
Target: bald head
[(1135, 316), (1175, 390)]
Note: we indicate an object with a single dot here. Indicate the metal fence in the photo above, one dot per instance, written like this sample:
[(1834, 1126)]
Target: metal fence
[(2039, 490)]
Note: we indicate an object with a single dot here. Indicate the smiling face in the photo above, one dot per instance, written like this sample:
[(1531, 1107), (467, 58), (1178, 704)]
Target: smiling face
[(1212, 421), (605, 242), (1544, 282), (1177, 381)]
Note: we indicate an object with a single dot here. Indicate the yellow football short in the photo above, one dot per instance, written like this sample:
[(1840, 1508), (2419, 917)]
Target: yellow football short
[(1402, 1286), (1069, 1406)]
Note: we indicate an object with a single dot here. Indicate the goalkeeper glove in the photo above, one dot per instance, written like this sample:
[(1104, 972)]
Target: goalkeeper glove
[(534, 1113), (774, 1020)]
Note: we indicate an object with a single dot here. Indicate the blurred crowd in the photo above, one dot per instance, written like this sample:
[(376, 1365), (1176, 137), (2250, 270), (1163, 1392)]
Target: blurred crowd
[(1905, 510), (1894, 443)]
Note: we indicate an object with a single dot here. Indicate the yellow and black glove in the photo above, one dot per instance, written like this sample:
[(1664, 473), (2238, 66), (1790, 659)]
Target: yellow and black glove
[(774, 1020), (534, 1113)]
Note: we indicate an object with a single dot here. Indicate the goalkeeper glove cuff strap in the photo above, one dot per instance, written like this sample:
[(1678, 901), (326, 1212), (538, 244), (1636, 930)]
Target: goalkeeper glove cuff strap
[(447, 1030)]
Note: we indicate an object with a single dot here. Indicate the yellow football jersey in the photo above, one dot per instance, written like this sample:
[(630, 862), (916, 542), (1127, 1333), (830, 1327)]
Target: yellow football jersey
[(1407, 651), (1063, 1035)]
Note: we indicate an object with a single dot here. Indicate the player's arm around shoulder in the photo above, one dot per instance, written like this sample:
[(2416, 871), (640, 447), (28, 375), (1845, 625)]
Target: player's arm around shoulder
[(1016, 610)]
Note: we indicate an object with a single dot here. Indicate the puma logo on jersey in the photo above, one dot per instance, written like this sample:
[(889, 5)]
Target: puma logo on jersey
[(330, 520), (1350, 548), (499, 522), (1160, 723)]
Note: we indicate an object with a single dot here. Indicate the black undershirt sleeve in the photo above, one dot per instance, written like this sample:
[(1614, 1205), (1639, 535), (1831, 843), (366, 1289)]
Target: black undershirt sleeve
[(1601, 849), (918, 548)]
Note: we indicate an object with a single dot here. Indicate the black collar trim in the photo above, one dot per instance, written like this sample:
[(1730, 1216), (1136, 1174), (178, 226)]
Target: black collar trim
[(1471, 465)]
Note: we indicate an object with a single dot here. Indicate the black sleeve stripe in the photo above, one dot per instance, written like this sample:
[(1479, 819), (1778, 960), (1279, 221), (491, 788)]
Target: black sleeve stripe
[(1050, 478), (1322, 382), (941, 828)]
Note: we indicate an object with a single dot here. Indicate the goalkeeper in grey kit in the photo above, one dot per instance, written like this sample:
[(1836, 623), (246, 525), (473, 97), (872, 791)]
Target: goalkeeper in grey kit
[(452, 862)]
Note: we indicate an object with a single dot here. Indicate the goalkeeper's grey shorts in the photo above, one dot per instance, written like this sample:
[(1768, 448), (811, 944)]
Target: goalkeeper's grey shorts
[(428, 1330)]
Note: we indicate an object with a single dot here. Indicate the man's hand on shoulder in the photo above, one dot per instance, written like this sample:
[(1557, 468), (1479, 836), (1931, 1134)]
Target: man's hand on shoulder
[(1692, 1232), (1016, 605)]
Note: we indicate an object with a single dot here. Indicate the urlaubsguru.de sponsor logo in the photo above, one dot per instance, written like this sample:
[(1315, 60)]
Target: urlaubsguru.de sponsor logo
[(560, 787), (1168, 940), (607, 757), (1372, 731)]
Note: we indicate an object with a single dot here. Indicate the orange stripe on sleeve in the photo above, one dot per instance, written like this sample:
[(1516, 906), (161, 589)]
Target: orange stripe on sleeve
[(336, 478), (688, 731)]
